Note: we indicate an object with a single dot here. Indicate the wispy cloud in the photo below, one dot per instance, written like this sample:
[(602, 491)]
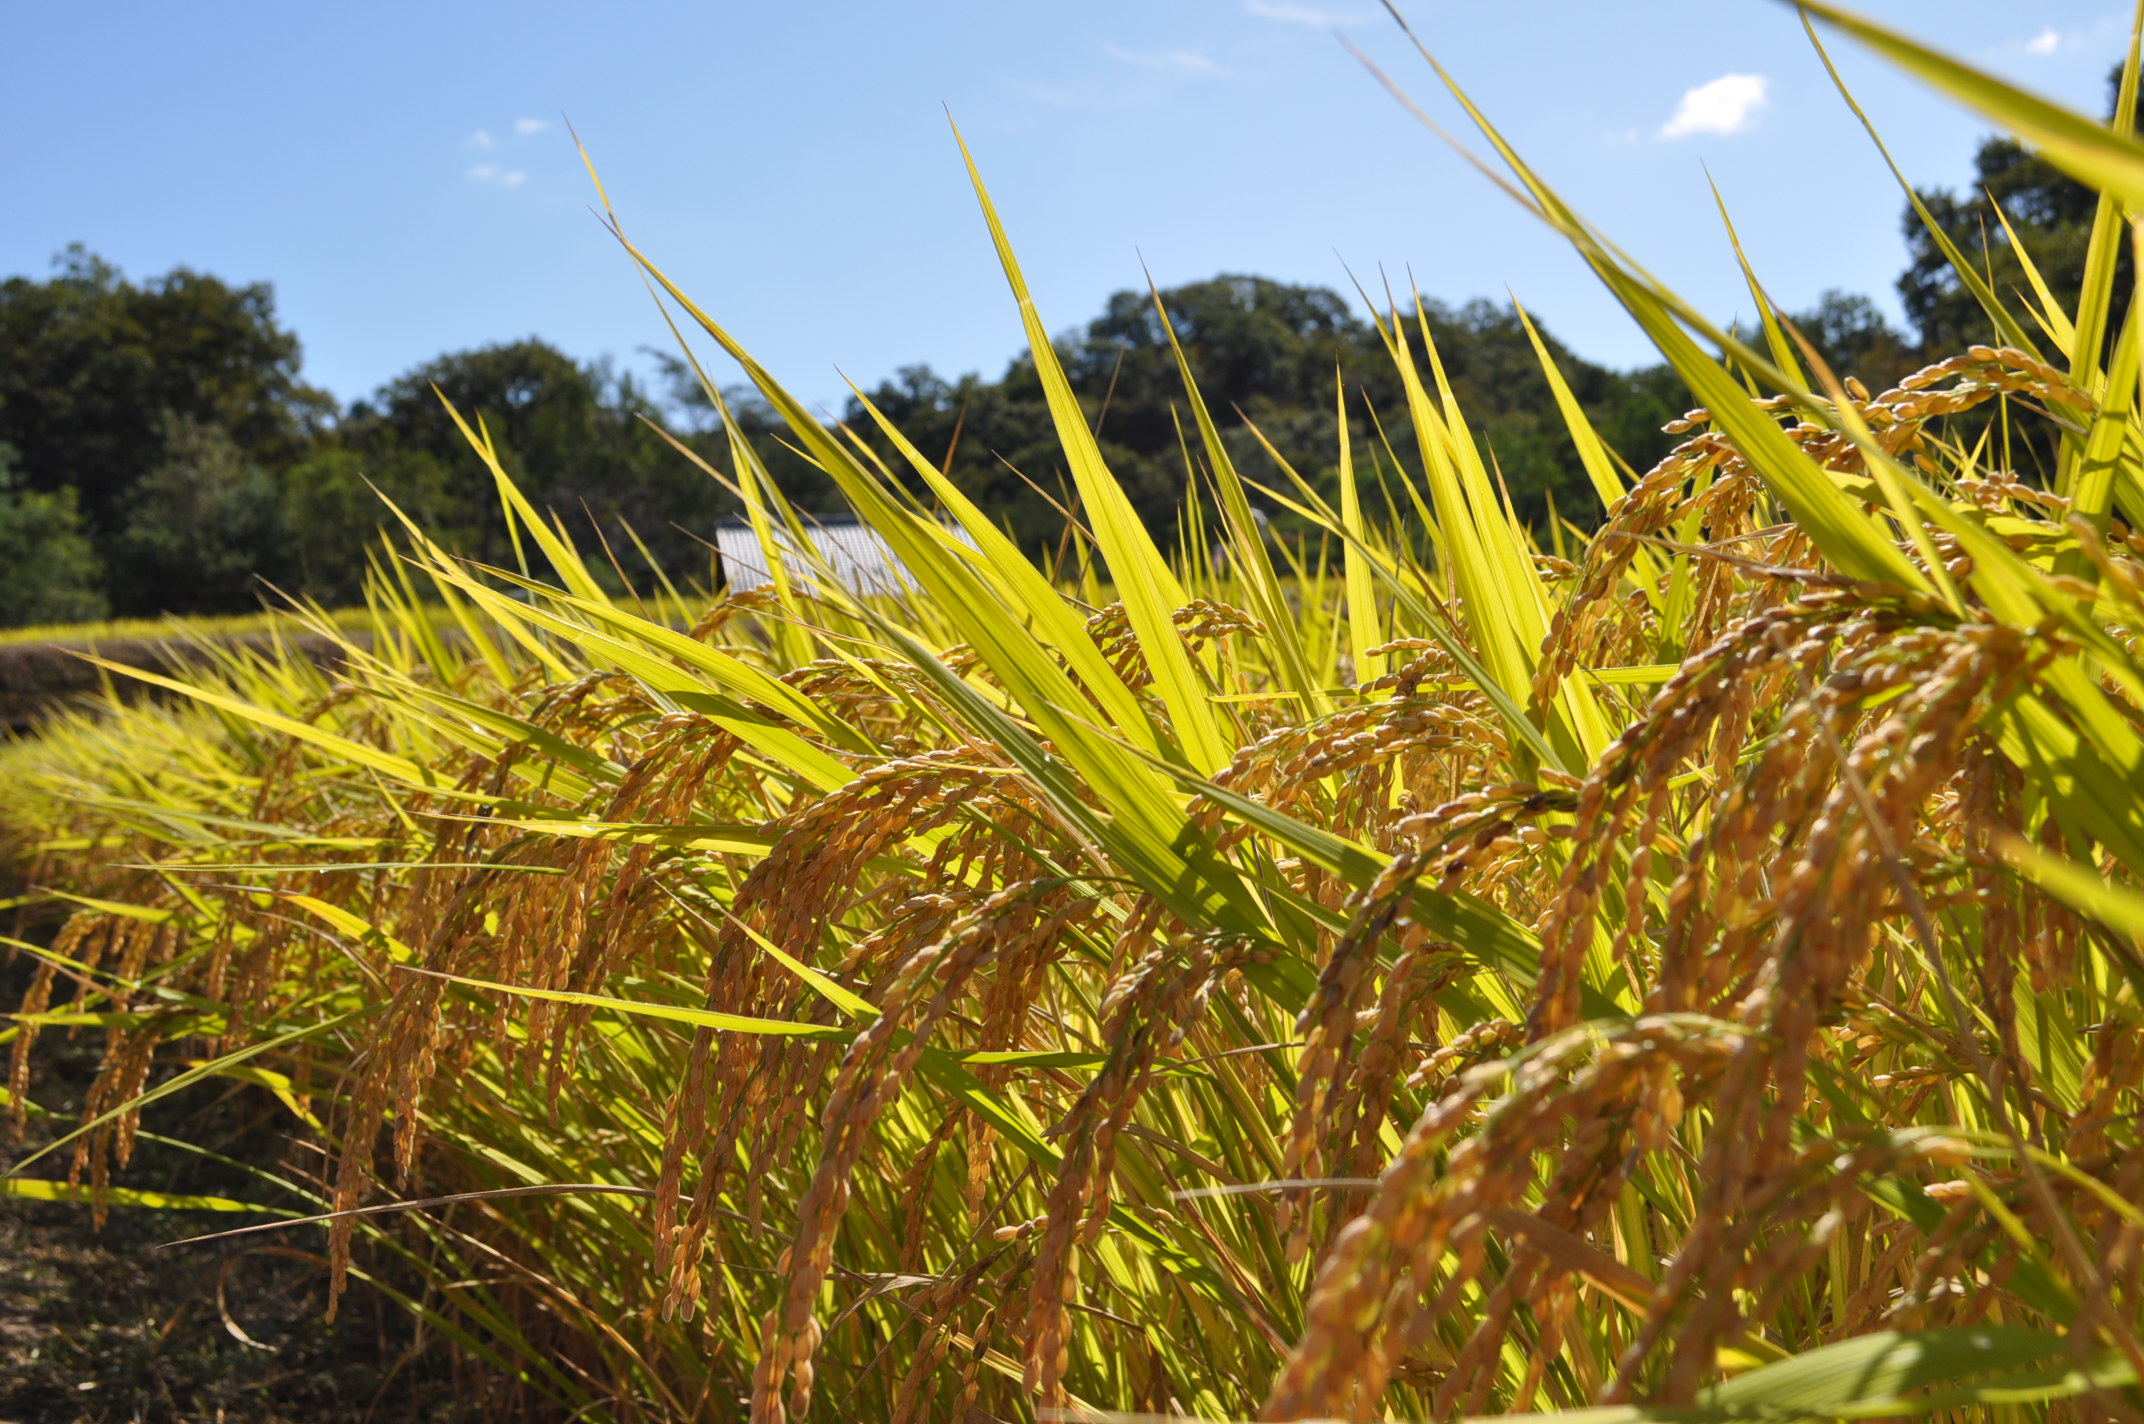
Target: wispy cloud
[(531, 126), (1292, 14), (481, 141), (1727, 105), (498, 176), (1137, 77), (2046, 41), (1084, 93), (1168, 61)]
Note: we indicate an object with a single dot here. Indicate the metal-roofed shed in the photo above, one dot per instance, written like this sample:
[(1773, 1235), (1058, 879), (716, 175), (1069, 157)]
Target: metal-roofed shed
[(858, 556)]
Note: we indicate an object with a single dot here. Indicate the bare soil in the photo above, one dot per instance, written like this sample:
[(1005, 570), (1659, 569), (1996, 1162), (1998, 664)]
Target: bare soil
[(98, 1327)]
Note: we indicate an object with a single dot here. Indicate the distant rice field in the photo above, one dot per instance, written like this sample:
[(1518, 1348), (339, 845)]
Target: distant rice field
[(137, 630)]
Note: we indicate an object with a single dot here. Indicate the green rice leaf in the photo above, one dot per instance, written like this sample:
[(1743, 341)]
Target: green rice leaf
[(1144, 580)]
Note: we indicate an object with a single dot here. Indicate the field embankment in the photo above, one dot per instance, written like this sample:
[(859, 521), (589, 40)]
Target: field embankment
[(38, 678)]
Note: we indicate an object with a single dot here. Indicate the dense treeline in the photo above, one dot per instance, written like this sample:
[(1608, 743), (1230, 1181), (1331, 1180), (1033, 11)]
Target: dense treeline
[(160, 450), (1265, 355)]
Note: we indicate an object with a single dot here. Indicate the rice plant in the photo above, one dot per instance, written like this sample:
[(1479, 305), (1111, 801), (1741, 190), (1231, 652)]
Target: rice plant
[(1401, 974)]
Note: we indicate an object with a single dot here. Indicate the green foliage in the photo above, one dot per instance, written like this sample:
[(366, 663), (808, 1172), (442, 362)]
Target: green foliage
[(49, 572), (1266, 352), (202, 528), (97, 371), (574, 437), (330, 504), (1855, 339), (94, 367), (2050, 212)]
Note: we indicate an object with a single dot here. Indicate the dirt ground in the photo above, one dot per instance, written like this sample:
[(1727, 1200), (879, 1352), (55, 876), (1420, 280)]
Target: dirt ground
[(98, 1327)]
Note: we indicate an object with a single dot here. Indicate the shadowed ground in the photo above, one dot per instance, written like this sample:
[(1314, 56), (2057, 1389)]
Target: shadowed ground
[(99, 1327)]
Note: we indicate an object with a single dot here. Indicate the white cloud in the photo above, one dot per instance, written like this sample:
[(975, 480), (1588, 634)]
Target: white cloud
[(2045, 42), (531, 126), (1300, 14), (501, 177), (1724, 106), (1175, 61), (481, 141), (1138, 77), (1078, 94)]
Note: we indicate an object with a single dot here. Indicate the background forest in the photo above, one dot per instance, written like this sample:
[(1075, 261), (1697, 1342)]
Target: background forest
[(160, 450)]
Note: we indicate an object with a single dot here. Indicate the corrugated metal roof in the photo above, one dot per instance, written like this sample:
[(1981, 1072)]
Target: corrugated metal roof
[(858, 556)]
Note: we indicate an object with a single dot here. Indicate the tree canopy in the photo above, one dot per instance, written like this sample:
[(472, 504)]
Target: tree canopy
[(2052, 216), (576, 437), (49, 573), (203, 468), (93, 368), (1269, 354)]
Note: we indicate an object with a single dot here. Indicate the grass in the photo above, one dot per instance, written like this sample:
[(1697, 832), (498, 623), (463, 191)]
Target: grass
[(1700, 972), (137, 630), (663, 607)]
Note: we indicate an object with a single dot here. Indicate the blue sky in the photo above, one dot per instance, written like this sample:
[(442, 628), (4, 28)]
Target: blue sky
[(402, 174)]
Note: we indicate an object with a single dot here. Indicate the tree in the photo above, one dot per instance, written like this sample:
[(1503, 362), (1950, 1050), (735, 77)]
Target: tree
[(173, 413), (1855, 339), (2052, 214), (93, 365), (572, 436), (330, 511), (1266, 352), (49, 573), (203, 530)]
